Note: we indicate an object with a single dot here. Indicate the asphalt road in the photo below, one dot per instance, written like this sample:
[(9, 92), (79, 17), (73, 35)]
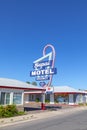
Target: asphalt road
[(74, 121)]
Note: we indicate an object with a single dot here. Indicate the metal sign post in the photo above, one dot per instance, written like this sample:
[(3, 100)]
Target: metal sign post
[(44, 70)]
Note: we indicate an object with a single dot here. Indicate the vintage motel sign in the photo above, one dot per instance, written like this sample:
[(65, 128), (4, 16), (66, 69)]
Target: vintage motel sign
[(44, 68)]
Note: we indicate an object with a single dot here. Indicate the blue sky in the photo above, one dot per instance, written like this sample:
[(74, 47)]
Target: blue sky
[(26, 26)]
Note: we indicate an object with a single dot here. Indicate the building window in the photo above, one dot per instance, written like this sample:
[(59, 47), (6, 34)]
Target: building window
[(5, 98), (17, 98)]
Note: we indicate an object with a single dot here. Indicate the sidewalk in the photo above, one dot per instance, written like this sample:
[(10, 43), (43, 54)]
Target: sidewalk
[(40, 114)]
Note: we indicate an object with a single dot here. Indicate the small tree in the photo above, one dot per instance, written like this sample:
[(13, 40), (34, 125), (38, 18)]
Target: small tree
[(27, 82), (34, 83)]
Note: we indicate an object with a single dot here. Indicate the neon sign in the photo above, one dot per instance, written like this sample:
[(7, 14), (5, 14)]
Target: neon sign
[(44, 67)]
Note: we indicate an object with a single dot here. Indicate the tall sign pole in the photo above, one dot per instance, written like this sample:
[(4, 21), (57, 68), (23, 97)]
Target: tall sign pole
[(52, 59), (44, 68)]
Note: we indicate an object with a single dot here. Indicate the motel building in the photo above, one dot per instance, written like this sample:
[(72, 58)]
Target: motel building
[(66, 95), (13, 92), (58, 95), (23, 94)]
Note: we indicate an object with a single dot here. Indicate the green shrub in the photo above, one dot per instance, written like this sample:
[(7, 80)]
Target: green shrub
[(37, 100), (9, 111), (2, 111), (21, 112), (81, 104), (56, 101), (47, 100)]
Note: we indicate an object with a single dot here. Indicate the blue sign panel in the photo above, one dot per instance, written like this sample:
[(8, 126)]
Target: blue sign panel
[(41, 72)]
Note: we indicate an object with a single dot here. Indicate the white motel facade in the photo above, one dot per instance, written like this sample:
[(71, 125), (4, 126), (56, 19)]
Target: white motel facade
[(20, 93)]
